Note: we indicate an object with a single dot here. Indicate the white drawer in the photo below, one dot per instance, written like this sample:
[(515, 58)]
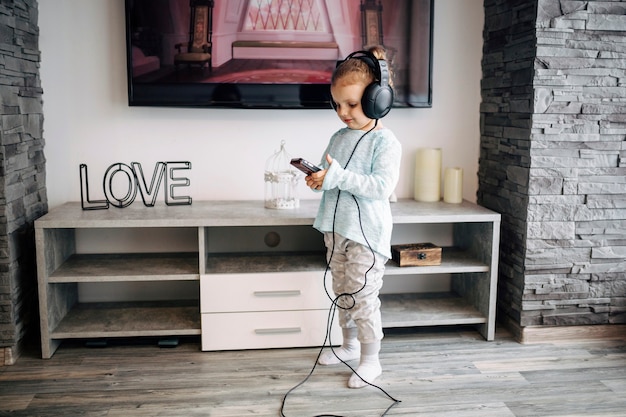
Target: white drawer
[(274, 329), (280, 291)]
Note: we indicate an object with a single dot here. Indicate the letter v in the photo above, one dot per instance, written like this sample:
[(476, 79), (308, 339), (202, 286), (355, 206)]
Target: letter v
[(152, 191)]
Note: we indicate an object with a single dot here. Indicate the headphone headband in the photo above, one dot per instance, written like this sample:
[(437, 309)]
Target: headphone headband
[(374, 63)]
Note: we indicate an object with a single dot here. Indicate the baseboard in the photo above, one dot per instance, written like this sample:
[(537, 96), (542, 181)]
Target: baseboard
[(9, 355), (6, 355), (552, 334)]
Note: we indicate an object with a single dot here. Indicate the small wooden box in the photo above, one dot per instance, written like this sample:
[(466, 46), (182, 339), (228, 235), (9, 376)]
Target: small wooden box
[(416, 254)]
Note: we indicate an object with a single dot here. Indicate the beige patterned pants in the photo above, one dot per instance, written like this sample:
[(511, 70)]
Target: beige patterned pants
[(350, 264)]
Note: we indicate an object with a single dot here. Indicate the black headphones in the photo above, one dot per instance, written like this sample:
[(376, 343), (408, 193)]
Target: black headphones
[(377, 98)]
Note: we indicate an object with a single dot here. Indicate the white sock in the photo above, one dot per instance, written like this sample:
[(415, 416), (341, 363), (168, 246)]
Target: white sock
[(369, 368), (349, 350)]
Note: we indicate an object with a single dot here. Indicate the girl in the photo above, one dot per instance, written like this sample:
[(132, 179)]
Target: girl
[(359, 172)]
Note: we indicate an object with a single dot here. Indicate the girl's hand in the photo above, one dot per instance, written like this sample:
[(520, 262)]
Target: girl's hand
[(316, 179)]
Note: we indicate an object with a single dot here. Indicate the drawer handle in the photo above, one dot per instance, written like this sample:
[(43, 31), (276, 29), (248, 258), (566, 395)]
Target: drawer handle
[(283, 330), (286, 293)]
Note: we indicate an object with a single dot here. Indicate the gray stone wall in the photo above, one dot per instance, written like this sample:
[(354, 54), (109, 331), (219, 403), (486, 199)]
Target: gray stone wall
[(553, 142), (22, 171)]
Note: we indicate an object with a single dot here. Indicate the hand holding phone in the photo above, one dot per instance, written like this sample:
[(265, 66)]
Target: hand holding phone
[(304, 166)]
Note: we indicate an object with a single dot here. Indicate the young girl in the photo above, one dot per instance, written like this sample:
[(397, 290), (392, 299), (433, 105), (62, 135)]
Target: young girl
[(359, 172)]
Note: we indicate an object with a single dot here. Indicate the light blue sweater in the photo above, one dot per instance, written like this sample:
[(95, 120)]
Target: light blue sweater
[(371, 176)]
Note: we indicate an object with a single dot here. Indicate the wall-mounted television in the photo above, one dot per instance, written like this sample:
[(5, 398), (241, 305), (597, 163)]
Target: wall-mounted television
[(270, 53)]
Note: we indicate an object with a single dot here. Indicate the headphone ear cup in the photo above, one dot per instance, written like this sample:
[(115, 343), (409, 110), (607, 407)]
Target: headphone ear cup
[(377, 100)]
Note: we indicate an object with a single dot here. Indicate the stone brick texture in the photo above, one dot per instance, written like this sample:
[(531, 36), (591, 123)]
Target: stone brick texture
[(553, 157), (22, 170)]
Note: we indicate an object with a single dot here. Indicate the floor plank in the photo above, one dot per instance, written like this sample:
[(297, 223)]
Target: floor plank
[(435, 372)]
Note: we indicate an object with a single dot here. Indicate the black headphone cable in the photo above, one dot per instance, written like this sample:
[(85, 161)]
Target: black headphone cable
[(335, 301)]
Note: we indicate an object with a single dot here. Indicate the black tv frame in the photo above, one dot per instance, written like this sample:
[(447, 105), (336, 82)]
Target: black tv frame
[(277, 95)]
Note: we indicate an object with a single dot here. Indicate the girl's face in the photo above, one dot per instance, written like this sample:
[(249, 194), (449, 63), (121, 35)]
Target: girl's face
[(347, 98)]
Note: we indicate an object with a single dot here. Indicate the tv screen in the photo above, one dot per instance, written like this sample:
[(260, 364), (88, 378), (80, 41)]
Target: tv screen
[(270, 53)]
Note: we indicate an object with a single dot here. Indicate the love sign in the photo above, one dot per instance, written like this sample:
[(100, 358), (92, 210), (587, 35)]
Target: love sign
[(131, 179)]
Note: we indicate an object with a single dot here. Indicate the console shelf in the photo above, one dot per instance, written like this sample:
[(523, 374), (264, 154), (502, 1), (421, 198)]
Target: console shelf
[(102, 320), (250, 295), (130, 267), (225, 263), (453, 260), (427, 309)]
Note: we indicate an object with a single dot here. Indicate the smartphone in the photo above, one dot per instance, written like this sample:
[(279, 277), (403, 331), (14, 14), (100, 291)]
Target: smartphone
[(304, 166)]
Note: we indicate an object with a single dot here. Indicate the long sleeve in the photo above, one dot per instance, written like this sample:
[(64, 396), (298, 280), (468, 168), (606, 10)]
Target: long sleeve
[(370, 176)]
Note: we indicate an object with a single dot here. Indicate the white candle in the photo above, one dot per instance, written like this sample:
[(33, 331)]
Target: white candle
[(453, 185), (428, 174)]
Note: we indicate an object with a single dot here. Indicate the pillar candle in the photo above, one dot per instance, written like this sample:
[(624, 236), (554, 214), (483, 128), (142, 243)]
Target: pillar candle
[(428, 174), (453, 185)]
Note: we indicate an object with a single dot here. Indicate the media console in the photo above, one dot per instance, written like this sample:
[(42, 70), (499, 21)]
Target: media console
[(258, 273)]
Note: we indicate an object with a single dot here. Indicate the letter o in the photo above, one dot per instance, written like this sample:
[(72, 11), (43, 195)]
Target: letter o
[(107, 184)]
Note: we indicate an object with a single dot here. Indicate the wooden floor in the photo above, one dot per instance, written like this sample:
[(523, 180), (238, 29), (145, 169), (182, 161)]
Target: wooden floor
[(433, 372)]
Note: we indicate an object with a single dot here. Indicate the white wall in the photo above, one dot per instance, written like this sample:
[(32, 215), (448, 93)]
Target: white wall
[(87, 119)]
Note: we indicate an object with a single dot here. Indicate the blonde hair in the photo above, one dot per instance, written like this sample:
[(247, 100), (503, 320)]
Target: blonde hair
[(355, 70)]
